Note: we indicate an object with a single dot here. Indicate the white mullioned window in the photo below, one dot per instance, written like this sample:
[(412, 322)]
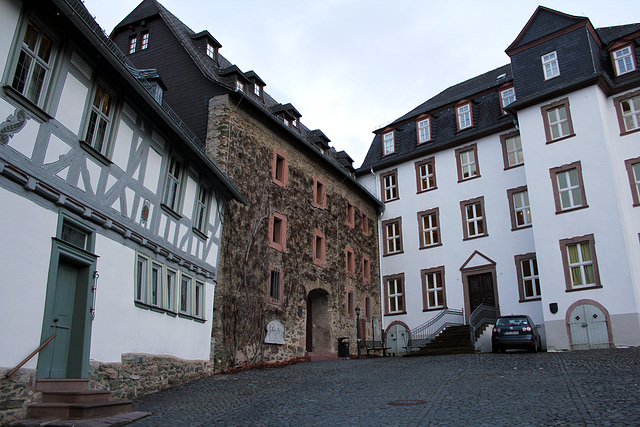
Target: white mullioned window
[(474, 219), (198, 302), (141, 279), (156, 284), (388, 143), (624, 60), (133, 44), (185, 294), (521, 208), (635, 168), (173, 180), (514, 151), (170, 290), (211, 52), (390, 186), (100, 118), (631, 113), (35, 61), (558, 122), (426, 176), (145, 40), (464, 116), (394, 243), (201, 210), (429, 229), (424, 131), (395, 295), (581, 264), (256, 89), (550, 65), (530, 278), (507, 96), (239, 86), (468, 167), (569, 189), (434, 288)]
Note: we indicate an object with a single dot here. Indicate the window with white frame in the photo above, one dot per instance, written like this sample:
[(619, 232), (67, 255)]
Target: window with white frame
[(528, 278), (156, 284), (145, 40), (392, 234), (466, 159), (388, 143), (394, 292), (211, 51), (463, 113), (428, 228), (624, 60), (519, 207), (557, 120), (185, 294), (172, 184), (433, 295), (201, 210), (568, 188), (579, 259), (629, 113), (198, 302), (256, 89), (424, 131), (239, 86), (141, 278), (133, 44), (473, 218), (633, 171), (550, 65), (512, 150), (426, 174), (33, 69), (170, 289), (507, 96), (100, 119), (389, 183)]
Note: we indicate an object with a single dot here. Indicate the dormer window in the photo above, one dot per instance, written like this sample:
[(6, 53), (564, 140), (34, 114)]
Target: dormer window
[(550, 65), (424, 130), (463, 112), (507, 96), (145, 40), (133, 43), (624, 60), (239, 86), (257, 90), (211, 51), (388, 143)]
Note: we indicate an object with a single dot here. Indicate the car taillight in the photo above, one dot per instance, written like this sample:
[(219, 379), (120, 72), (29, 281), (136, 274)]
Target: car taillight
[(527, 329), (498, 330)]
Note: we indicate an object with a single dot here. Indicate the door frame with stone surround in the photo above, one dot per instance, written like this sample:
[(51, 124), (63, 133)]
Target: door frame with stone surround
[(318, 337), (477, 264), (590, 332)]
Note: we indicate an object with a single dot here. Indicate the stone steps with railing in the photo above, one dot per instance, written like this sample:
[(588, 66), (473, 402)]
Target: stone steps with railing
[(452, 340)]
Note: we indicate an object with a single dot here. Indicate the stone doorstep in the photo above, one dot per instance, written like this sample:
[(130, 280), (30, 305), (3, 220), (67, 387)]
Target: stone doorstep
[(115, 420), (79, 410), (316, 355), (75, 396)]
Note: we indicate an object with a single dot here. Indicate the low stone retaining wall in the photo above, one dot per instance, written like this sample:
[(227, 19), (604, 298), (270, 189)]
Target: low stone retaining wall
[(140, 374), (16, 393)]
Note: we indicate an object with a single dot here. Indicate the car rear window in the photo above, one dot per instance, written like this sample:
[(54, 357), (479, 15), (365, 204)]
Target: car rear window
[(512, 321)]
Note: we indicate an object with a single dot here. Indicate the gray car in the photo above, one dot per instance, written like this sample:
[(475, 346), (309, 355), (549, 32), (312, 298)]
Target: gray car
[(515, 331)]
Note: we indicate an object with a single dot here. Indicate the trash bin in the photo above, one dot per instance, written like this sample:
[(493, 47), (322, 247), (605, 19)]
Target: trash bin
[(343, 347)]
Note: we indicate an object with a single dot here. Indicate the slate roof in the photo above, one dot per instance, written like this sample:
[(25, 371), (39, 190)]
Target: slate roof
[(609, 34)]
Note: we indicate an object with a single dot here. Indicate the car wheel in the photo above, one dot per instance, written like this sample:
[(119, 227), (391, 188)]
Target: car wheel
[(534, 347)]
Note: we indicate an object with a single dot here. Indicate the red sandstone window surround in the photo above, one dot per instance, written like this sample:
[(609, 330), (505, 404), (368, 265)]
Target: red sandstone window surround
[(350, 221), (318, 250), (277, 232), (319, 193), (366, 268), (350, 262), (279, 168)]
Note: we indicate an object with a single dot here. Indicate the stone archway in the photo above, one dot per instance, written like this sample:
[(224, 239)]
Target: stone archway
[(318, 322), (588, 325)]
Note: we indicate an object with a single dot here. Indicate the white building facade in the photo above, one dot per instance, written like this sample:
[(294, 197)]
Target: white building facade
[(111, 213), (518, 189)]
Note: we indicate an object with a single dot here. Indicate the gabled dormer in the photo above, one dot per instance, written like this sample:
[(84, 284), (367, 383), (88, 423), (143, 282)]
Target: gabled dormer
[(554, 50), (152, 82), (207, 44), (234, 78), (288, 114), (256, 83), (319, 139), (345, 160)]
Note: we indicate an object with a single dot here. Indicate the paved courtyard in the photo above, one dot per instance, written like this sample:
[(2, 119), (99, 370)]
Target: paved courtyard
[(581, 388)]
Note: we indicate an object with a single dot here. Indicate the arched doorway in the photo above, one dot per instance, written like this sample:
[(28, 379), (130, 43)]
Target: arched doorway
[(318, 322), (588, 326), (397, 339)]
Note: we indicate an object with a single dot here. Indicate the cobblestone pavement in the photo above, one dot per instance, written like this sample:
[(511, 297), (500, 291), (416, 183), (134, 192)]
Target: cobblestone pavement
[(580, 388)]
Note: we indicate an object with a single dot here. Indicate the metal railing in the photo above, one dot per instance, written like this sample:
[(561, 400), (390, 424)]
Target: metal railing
[(482, 315), (26, 359), (423, 334)]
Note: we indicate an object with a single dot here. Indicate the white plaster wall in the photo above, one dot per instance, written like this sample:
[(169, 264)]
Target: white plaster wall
[(500, 246), (72, 100), (594, 134), (24, 263), (9, 14), (121, 327)]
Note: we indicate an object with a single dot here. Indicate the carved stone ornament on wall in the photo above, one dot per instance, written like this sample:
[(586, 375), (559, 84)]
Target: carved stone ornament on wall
[(12, 125), (275, 333)]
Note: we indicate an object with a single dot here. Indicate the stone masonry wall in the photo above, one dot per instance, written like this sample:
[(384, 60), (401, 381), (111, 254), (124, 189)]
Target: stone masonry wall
[(16, 393), (243, 141)]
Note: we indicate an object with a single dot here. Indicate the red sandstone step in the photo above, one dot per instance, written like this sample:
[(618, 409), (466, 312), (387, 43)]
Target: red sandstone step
[(80, 410), (315, 356), (61, 384), (75, 396)]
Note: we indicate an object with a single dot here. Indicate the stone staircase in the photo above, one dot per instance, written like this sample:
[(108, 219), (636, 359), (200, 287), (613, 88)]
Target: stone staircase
[(72, 399), (313, 356), (453, 340)]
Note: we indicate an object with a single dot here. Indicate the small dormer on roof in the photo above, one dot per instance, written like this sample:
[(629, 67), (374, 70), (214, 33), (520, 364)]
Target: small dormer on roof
[(152, 82), (257, 83), (207, 44), (287, 112), (345, 160), (234, 77), (319, 139)]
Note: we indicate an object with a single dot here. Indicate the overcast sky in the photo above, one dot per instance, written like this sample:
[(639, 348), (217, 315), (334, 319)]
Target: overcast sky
[(351, 66)]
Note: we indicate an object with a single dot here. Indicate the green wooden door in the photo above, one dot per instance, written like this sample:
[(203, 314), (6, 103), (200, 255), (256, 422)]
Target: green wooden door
[(62, 318)]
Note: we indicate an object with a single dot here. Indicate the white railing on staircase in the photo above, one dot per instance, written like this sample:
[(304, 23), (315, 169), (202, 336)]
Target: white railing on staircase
[(423, 334), (482, 315)]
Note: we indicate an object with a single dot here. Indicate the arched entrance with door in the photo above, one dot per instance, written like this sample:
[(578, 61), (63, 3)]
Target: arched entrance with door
[(397, 338), (318, 322), (588, 325)]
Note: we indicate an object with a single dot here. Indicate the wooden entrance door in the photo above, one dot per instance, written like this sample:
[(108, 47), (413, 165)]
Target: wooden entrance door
[(588, 326), (397, 340), (62, 319), (481, 290)]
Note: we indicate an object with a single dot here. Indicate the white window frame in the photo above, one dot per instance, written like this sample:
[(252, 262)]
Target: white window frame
[(198, 300), (256, 89), (533, 278), (157, 274), (433, 284), (388, 143), (142, 264), (144, 41), (184, 300), (239, 86), (392, 233), (171, 278), (468, 164), (424, 131), (507, 96), (580, 265), (571, 188), (201, 209), (521, 209), (513, 147), (173, 184), (550, 65), (390, 184), (211, 51), (396, 303), (133, 44), (426, 171), (559, 127), (630, 113), (429, 227), (463, 113), (28, 60), (624, 60), (100, 115)]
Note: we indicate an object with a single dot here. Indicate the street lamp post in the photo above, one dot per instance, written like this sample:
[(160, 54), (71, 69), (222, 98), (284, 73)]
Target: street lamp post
[(358, 339)]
